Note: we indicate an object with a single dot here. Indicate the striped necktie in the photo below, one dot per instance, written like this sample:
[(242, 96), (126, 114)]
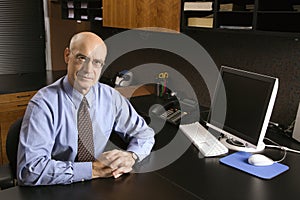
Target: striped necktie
[(85, 134)]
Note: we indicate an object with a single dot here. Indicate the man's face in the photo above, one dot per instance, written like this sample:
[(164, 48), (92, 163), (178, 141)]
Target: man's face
[(85, 65)]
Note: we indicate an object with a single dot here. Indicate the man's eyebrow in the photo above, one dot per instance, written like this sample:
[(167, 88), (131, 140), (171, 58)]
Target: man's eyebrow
[(99, 59), (80, 54)]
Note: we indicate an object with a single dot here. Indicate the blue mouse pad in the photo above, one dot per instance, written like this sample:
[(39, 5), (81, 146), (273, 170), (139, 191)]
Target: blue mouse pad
[(239, 160)]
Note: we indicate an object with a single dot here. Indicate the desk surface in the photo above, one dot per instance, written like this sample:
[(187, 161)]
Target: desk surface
[(212, 180), (148, 186), (189, 177)]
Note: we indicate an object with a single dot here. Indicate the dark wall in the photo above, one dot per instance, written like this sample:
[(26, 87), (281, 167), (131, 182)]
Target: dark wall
[(277, 56), (22, 37), (267, 54)]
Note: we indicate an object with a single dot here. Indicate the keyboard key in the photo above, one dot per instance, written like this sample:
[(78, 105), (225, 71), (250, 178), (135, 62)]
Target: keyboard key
[(207, 143)]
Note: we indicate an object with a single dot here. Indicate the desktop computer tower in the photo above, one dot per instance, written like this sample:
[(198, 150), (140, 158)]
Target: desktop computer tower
[(296, 132)]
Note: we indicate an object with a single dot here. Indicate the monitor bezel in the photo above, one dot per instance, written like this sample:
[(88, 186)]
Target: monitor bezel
[(248, 146)]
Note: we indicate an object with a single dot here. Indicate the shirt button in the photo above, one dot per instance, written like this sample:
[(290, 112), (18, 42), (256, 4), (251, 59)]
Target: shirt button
[(82, 180)]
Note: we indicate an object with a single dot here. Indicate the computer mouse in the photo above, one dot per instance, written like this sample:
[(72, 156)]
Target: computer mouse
[(260, 160)]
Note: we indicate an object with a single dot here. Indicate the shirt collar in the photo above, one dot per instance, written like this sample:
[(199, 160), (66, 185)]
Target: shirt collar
[(75, 96)]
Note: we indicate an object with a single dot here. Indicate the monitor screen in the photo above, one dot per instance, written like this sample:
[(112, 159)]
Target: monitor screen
[(242, 105)]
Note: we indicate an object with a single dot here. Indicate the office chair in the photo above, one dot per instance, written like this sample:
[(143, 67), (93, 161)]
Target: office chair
[(8, 171)]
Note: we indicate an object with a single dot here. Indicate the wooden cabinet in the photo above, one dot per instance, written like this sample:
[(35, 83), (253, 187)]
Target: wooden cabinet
[(125, 13), (12, 106), (142, 14)]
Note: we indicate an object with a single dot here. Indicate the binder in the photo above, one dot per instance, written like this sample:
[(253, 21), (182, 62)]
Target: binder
[(197, 6)]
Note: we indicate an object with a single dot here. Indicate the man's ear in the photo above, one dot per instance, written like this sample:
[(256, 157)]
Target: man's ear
[(67, 54)]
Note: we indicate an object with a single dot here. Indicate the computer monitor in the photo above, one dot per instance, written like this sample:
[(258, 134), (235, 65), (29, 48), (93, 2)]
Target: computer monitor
[(241, 108)]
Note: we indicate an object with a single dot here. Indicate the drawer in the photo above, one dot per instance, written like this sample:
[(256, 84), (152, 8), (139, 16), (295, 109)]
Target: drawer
[(13, 106), (14, 97)]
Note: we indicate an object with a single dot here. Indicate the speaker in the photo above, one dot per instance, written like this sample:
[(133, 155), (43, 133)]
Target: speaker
[(296, 132)]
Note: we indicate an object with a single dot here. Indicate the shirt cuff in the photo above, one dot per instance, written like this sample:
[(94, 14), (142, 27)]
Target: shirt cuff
[(82, 171), (137, 152)]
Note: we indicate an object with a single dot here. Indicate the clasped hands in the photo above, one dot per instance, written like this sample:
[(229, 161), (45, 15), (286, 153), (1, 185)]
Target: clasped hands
[(112, 163)]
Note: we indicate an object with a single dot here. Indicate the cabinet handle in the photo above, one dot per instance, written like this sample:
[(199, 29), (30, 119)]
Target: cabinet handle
[(22, 105), (23, 96)]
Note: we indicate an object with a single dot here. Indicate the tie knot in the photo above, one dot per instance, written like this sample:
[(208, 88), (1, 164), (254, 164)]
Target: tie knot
[(83, 107), (84, 102)]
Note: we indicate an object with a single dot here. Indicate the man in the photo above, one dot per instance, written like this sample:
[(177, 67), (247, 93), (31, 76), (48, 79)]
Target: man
[(50, 137)]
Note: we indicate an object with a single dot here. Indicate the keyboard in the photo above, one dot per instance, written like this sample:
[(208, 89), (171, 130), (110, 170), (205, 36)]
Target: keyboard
[(207, 143)]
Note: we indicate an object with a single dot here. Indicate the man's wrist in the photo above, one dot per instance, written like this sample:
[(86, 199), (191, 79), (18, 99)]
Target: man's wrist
[(134, 156)]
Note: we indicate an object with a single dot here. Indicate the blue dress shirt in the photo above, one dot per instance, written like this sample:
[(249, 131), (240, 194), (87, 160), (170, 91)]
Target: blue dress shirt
[(48, 137)]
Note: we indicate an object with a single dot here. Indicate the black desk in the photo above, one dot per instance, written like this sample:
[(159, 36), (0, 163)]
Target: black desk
[(208, 179), (189, 177), (146, 186)]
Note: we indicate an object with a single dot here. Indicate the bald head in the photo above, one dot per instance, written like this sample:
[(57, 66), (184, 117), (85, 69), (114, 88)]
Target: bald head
[(86, 39)]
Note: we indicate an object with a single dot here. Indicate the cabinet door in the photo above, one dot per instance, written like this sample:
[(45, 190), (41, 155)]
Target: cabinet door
[(142, 13), (146, 11), (119, 14), (168, 14)]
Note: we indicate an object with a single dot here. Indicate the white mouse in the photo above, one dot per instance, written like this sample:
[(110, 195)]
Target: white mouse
[(260, 160)]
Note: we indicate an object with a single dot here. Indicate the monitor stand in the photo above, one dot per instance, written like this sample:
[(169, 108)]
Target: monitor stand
[(236, 145)]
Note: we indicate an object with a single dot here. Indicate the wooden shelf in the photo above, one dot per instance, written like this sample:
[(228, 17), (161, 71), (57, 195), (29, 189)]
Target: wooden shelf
[(252, 15)]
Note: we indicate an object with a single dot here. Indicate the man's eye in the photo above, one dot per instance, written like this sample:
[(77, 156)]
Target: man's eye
[(97, 62), (81, 58)]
